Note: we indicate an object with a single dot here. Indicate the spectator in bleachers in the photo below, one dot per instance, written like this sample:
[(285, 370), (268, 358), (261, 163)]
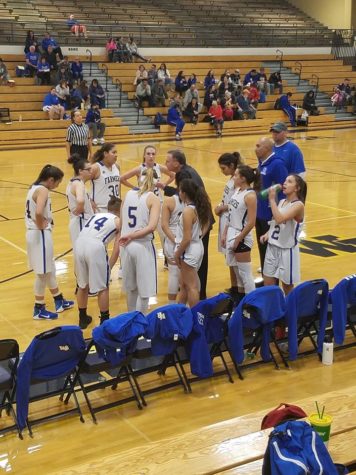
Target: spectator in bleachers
[(181, 84), (174, 118), (345, 87), (285, 105), (163, 73), (152, 75), (132, 48), (32, 59), (191, 112), (275, 82), (228, 108), (263, 84), (338, 99), (121, 54), (51, 58), (245, 105), (192, 80), (64, 63), (63, 94), (31, 41), (209, 80), (141, 74), (216, 116), (4, 75), (191, 93), (49, 41), (159, 94), (144, 93), (77, 70), (224, 85), (236, 79), (110, 48), (211, 95), (64, 75), (97, 94), (52, 106), (43, 71), (251, 77), (254, 95), (75, 27), (84, 90), (309, 103), (96, 126), (76, 99)]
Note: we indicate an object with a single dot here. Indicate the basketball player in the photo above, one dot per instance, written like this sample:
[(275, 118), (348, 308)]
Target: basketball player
[(92, 265), (140, 214), (171, 210), (79, 204), (38, 220), (282, 255), (228, 163), (193, 223), (105, 176), (237, 236)]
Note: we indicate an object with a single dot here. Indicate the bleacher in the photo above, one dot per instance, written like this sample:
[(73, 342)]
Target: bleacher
[(159, 23)]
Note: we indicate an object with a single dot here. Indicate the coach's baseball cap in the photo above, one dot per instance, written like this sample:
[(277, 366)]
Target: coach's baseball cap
[(278, 127)]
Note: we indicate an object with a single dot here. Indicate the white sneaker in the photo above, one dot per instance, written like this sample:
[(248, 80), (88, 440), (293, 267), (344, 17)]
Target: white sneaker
[(95, 141), (102, 140)]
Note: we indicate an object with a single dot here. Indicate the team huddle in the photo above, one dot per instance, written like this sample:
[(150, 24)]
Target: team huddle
[(181, 215)]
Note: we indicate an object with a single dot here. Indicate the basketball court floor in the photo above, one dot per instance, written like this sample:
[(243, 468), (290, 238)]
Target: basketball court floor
[(328, 251)]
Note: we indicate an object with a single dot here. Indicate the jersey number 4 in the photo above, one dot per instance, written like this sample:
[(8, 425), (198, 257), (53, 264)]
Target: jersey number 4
[(132, 216), (28, 213), (98, 223)]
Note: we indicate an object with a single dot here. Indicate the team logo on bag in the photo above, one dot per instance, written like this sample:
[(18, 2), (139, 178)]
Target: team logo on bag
[(64, 348)]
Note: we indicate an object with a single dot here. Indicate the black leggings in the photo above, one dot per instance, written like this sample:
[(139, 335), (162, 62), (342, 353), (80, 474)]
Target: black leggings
[(81, 150)]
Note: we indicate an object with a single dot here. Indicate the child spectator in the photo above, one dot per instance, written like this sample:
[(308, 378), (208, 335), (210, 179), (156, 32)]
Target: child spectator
[(31, 41), (77, 69), (63, 94), (141, 74), (52, 106), (32, 59), (174, 118), (75, 27), (49, 41), (216, 115), (93, 121), (97, 94), (110, 48), (43, 71)]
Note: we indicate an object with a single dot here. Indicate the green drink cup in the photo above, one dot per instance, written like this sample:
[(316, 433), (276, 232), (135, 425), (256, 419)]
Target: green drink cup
[(322, 426)]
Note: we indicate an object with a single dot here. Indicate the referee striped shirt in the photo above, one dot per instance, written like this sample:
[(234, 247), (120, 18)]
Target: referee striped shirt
[(78, 134)]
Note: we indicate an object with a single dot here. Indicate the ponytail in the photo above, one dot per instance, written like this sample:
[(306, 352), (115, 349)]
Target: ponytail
[(49, 171), (148, 182), (77, 162), (302, 187), (229, 159), (200, 199), (251, 175)]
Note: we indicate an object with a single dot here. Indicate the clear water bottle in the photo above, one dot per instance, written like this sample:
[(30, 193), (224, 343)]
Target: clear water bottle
[(328, 351), (264, 193)]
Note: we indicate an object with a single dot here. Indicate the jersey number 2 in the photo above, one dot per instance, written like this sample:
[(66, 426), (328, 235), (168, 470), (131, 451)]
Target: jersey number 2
[(275, 234)]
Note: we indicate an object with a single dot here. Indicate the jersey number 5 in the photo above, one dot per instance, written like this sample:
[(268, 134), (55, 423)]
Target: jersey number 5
[(132, 216)]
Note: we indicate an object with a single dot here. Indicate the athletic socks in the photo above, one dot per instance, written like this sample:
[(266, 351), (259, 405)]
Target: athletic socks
[(104, 316), (84, 319), (245, 271)]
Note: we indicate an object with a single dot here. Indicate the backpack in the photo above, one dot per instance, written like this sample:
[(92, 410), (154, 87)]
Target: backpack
[(277, 104), (159, 120), (284, 412), (294, 448)]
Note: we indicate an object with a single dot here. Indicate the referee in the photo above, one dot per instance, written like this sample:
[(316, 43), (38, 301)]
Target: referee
[(78, 137)]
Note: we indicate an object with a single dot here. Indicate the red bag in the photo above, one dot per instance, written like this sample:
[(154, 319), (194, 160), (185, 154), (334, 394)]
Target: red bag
[(284, 412)]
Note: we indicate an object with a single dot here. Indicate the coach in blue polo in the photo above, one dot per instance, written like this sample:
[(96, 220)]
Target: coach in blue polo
[(288, 151), (273, 171)]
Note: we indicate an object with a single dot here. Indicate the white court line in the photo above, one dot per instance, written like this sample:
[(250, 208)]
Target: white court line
[(330, 207), (329, 219), (13, 245)]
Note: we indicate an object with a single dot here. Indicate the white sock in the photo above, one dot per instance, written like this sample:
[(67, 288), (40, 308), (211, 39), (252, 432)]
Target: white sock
[(245, 271), (239, 282), (131, 299)]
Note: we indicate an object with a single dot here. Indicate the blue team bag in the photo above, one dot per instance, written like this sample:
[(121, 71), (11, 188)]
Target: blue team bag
[(294, 448)]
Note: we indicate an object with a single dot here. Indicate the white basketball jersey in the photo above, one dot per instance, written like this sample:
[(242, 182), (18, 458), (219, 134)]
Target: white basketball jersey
[(143, 171), (285, 235), (30, 212), (135, 214), (101, 226), (175, 215), (229, 190), (196, 229), (238, 210), (72, 202), (107, 185)]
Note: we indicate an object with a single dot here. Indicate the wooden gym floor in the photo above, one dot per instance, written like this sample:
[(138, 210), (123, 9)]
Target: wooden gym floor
[(329, 249)]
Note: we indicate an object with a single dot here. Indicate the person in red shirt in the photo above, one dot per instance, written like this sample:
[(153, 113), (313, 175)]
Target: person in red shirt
[(254, 95), (216, 115)]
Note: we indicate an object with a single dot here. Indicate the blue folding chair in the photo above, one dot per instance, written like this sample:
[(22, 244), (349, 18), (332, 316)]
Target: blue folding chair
[(254, 320), (306, 316), (51, 358), (343, 300)]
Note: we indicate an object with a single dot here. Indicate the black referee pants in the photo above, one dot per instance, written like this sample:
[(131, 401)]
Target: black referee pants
[(81, 150)]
